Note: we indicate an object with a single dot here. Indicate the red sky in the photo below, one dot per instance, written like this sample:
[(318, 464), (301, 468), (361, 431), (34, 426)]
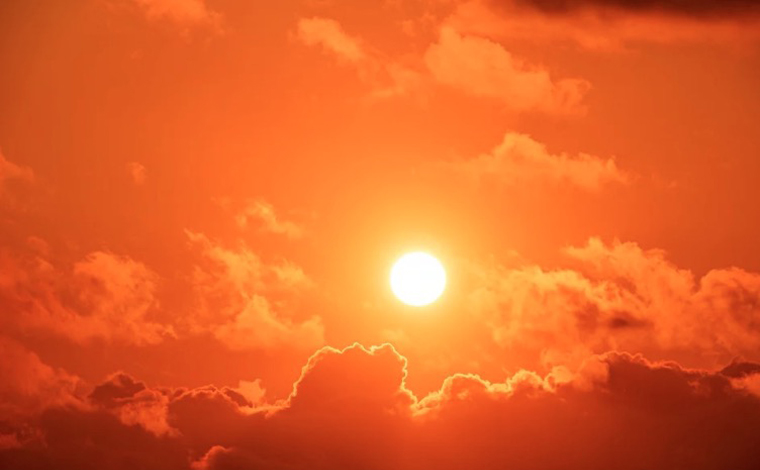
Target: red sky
[(201, 200)]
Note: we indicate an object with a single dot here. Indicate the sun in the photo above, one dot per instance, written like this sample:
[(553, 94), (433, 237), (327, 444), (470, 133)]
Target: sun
[(418, 279)]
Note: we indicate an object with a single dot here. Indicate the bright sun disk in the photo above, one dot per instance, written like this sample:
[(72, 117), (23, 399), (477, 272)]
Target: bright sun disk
[(418, 279)]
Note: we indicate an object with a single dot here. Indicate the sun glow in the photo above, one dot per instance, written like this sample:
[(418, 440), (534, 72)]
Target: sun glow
[(418, 279)]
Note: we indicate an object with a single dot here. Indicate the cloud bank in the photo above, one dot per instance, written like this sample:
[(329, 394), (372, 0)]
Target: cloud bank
[(350, 409)]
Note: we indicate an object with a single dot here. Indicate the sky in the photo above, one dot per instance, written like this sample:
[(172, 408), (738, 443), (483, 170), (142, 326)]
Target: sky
[(201, 202)]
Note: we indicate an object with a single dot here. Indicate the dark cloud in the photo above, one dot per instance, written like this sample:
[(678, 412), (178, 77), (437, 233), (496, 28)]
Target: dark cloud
[(350, 409), (694, 8), (118, 387), (740, 369), (83, 440)]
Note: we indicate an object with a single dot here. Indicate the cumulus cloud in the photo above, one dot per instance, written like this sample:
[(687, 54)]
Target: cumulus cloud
[(243, 301), (103, 296), (329, 34), (630, 415), (256, 326), (386, 77), (28, 385), (233, 289), (133, 403), (120, 295), (470, 63), (262, 213), (351, 409), (519, 159), (373, 376), (10, 171), (485, 68), (12, 178), (183, 12), (620, 296), (137, 172)]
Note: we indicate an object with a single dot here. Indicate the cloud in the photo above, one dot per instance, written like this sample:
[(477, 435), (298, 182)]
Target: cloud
[(222, 457), (133, 403), (137, 172), (374, 376), (243, 301), (519, 160), (10, 171), (329, 34), (484, 68), (264, 214), (694, 8), (102, 297), (28, 385), (386, 77), (13, 177), (256, 326), (183, 12), (473, 64), (351, 409), (637, 415), (121, 294), (610, 26), (620, 297), (233, 288), (91, 440), (744, 376)]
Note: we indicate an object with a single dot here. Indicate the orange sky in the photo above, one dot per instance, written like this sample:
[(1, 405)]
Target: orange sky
[(200, 202)]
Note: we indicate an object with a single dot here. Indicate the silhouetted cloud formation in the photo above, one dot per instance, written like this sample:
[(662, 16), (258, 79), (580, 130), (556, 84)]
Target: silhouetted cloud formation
[(351, 409)]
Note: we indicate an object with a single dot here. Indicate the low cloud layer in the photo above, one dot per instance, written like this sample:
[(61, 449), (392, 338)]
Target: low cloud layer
[(350, 409)]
